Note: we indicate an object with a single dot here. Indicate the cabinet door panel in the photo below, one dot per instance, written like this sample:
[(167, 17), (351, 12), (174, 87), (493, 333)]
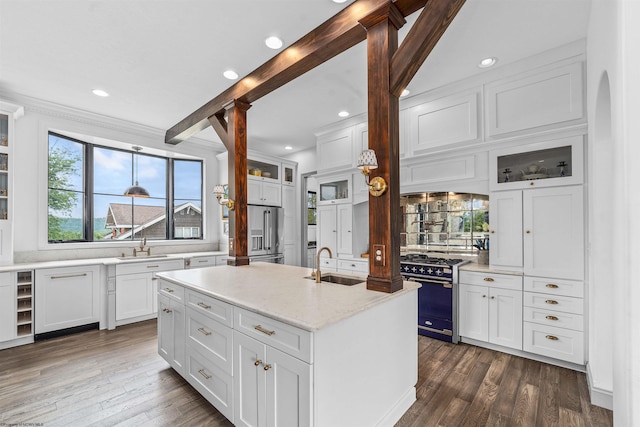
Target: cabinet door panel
[(554, 232), (335, 150), (165, 329), (7, 307), (474, 312), (271, 194), (345, 226), (505, 318), (327, 227), (506, 228), (249, 381), (254, 192), (288, 385), (134, 295)]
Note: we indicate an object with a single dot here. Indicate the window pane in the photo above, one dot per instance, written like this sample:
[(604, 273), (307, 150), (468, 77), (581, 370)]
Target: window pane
[(67, 223), (65, 163), (187, 179), (152, 175), (112, 172), (187, 215), (125, 218)]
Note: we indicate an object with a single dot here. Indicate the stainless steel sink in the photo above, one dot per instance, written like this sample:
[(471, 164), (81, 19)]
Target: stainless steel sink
[(340, 280), (141, 257)]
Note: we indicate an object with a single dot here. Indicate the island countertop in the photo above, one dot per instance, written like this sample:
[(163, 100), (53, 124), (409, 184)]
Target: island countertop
[(283, 293)]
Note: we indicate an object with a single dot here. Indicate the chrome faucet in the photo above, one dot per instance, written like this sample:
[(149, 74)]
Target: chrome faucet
[(318, 274), (143, 242)]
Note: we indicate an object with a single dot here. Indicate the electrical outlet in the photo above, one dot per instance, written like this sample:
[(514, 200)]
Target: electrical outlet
[(230, 244), (378, 255)]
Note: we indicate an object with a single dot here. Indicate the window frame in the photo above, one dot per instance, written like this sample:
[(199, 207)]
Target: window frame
[(89, 195)]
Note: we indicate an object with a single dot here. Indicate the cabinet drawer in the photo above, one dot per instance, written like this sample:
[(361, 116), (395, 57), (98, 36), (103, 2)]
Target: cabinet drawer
[(353, 266), (559, 343), (173, 291), (211, 338), (327, 264), (211, 382), (202, 261), (569, 288), (149, 266), (293, 341), (554, 302), (504, 281), (212, 308), (554, 318)]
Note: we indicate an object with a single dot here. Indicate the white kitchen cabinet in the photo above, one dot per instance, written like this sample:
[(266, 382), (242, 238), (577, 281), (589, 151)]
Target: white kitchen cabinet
[(271, 387), (505, 231), (200, 261), (264, 193), (491, 308), (135, 284), (171, 331), (335, 224), (334, 190), (8, 115), (7, 307), (353, 266), (335, 150), (291, 240), (67, 297), (289, 170)]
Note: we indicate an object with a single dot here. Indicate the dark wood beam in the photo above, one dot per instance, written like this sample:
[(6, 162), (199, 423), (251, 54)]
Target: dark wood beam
[(235, 139), (420, 41), (384, 136), (331, 38)]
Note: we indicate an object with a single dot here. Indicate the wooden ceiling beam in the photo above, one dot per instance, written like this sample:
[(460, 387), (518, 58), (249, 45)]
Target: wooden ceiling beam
[(420, 41), (331, 38)]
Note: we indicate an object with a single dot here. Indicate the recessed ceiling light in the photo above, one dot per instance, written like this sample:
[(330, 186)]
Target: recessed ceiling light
[(339, 1), (100, 92), (230, 74), (405, 93), (343, 114), (273, 42), (288, 147), (487, 62)]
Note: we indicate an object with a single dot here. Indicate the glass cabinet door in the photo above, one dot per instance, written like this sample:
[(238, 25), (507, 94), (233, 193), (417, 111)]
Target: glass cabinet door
[(334, 192), (4, 167)]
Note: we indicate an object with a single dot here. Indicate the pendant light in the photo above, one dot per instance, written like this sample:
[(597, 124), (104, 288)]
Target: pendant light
[(136, 190)]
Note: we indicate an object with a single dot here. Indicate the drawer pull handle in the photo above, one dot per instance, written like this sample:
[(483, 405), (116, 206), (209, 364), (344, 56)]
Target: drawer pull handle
[(551, 301), (493, 297), (203, 305), (551, 318), (153, 266), (552, 337), (551, 286), (258, 362), (68, 276), (489, 279), (263, 330), (267, 367), (166, 310), (204, 374), (204, 331), (484, 296), (168, 290)]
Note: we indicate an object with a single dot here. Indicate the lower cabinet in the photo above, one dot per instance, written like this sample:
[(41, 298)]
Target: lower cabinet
[(171, 332), (66, 297), (7, 307), (491, 308), (271, 387)]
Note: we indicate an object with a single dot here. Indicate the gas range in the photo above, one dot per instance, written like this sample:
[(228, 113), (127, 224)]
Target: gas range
[(426, 267)]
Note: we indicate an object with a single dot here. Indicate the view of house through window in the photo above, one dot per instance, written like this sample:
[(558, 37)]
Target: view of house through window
[(86, 194)]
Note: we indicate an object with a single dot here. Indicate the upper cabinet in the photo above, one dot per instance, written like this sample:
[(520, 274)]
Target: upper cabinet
[(335, 150), (537, 100), (449, 120), (544, 164), (334, 190), (263, 170)]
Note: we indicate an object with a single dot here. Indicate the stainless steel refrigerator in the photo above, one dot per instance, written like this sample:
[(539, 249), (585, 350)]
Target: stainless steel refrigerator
[(266, 234)]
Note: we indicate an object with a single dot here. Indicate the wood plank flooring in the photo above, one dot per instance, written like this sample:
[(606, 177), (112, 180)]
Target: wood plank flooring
[(116, 378)]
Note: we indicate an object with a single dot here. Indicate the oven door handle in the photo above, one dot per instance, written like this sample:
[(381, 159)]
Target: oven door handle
[(435, 282)]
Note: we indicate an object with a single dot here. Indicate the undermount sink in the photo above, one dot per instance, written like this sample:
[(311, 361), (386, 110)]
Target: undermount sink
[(340, 280), (142, 257)]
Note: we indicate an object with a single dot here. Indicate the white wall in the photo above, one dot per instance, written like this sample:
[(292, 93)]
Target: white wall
[(613, 92), (30, 179)]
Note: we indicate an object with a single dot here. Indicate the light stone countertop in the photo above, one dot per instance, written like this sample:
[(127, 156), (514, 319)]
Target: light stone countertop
[(484, 268), (281, 292), (103, 261)]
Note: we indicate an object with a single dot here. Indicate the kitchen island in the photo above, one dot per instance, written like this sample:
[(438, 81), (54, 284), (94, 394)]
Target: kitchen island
[(267, 346)]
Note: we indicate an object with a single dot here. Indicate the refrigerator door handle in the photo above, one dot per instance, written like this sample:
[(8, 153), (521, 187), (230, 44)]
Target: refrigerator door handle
[(267, 229)]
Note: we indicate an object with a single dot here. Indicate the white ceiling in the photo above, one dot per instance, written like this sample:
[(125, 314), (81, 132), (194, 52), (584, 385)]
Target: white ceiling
[(162, 59)]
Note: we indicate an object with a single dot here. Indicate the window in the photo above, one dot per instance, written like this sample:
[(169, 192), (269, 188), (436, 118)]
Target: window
[(311, 208), (86, 194)]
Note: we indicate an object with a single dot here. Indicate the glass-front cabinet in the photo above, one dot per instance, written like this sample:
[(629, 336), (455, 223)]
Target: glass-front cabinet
[(4, 166), (444, 222), (263, 170), (335, 190), (545, 164)]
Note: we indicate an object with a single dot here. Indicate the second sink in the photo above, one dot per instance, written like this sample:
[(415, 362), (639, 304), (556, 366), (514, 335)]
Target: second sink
[(340, 280)]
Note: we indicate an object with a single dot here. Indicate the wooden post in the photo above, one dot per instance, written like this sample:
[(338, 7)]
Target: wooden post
[(384, 136), (233, 133)]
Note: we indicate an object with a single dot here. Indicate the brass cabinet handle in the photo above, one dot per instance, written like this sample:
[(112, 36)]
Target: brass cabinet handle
[(532, 183), (267, 367), (168, 290), (204, 331), (552, 337), (493, 297), (204, 374), (258, 362), (551, 301), (528, 231), (166, 310), (492, 231), (68, 276), (484, 296), (489, 279), (551, 317), (551, 286), (203, 305), (263, 330)]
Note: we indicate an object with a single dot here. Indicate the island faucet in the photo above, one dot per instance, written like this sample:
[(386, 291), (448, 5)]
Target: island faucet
[(318, 274)]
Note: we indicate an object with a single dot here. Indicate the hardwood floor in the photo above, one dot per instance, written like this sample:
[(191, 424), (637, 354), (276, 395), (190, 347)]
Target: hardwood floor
[(108, 378)]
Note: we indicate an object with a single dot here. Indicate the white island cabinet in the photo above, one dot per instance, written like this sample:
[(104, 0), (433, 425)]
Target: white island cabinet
[(268, 347)]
